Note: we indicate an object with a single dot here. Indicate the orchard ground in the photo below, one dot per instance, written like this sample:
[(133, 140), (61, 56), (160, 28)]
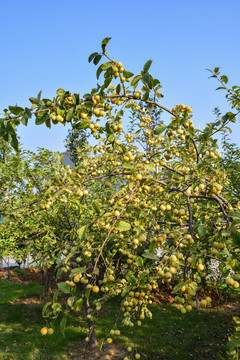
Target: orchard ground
[(172, 336)]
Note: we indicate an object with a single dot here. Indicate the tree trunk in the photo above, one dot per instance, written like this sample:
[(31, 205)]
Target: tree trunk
[(9, 272), (50, 280), (19, 263), (92, 334), (43, 277)]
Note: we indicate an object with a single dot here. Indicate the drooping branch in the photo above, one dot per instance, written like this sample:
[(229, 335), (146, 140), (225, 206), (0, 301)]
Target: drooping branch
[(190, 217)]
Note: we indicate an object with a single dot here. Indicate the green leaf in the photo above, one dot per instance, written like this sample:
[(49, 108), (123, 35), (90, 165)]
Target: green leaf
[(202, 230), (147, 66), (101, 344), (232, 345), (96, 271), (96, 206), (156, 82), (69, 115), (159, 129), (82, 233), (55, 296), (178, 287), (87, 96), (143, 274), (118, 89), (27, 115), (10, 128), (236, 319), (127, 165), (70, 301), (234, 215), (224, 79), (65, 288), (123, 226), (127, 74), (97, 59), (145, 96), (126, 290), (111, 138), (61, 92), (139, 260), (200, 148), (78, 270), (34, 100), (135, 81), (75, 99), (41, 118), (103, 67), (150, 167), (48, 123), (130, 278), (108, 127), (92, 56), (57, 307), (45, 308), (146, 79), (68, 257), (106, 82), (63, 325), (222, 355), (151, 256), (221, 88), (59, 272), (16, 110), (236, 238), (6, 136), (87, 294), (39, 95), (104, 44), (14, 143), (152, 247)]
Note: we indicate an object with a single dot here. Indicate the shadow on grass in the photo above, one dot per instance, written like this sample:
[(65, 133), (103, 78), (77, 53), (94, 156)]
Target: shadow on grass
[(20, 337), (168, 336), (10, 291)]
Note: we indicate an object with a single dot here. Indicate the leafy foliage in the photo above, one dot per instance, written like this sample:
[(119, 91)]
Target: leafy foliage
[(149, 206)]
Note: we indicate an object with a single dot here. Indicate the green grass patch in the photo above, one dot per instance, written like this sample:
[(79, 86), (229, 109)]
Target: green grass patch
[(20, 326), (169, 335), (11, 291)]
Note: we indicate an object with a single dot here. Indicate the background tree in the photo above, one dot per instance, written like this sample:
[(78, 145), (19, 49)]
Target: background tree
[(231, 164), (76, 140)]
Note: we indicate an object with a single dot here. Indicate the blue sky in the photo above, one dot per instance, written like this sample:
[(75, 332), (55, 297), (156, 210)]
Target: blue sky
[(45, 45)]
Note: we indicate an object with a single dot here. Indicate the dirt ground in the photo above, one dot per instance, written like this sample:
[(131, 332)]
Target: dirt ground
[(108, 352), (25, 275), (163, 296)]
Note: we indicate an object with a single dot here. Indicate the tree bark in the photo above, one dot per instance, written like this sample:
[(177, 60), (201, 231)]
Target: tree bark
[(87, 308), (50, 280), (9, 272)]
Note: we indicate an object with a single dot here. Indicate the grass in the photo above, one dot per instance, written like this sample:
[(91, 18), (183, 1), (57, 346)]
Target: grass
[(11, 292), (168, 336), (173, 336)]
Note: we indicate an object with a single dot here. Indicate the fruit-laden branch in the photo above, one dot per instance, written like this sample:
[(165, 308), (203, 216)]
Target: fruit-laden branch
[(92, 335), (111, 228), (235, 194), (190, 216), (215, 199)]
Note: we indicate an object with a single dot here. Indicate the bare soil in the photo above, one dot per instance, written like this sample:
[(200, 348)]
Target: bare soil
[(28, 275), (108, 352)]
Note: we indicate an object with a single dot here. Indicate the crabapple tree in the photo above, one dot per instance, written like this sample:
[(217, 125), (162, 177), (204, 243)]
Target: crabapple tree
[(149, 207)]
